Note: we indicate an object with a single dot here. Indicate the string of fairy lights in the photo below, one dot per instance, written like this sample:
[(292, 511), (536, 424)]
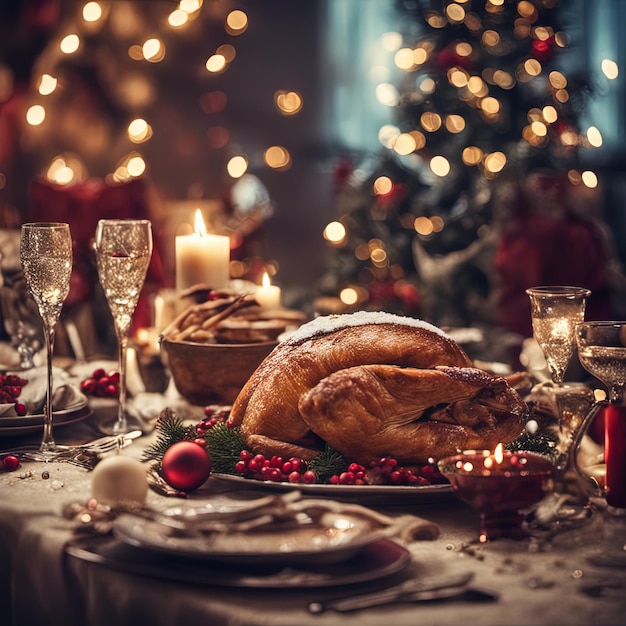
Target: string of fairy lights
[(477, 90), (146, 49)]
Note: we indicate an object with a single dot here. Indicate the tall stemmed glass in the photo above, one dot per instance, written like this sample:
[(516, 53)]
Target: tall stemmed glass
[(555, 312), (602, 352), (123, 251), (46, 258)]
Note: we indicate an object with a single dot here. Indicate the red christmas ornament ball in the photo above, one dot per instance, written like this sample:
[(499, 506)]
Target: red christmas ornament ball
[(185, 465)]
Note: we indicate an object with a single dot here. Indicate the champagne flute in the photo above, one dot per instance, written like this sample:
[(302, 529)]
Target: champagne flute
[(602, 352), (123, 251), (46, 259), (556, 311)]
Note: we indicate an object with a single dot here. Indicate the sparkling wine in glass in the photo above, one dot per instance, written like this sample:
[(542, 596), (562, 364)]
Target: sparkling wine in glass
[(555, 312), (602, 352), (123, 251), (46, 259)]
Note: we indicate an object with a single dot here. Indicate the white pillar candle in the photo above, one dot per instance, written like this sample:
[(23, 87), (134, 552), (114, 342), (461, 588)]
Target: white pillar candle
[(202, 258), (267, 295)]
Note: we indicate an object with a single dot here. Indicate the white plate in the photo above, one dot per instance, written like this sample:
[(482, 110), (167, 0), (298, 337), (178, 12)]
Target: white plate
[(37, 418), (60, 418), (343, 491), (373, 562), (335, 537)]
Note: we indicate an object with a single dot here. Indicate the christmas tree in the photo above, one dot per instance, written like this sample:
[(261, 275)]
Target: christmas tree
[(481, 104)]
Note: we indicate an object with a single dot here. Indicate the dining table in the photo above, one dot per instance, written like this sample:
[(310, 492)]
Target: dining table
[(58, 567)]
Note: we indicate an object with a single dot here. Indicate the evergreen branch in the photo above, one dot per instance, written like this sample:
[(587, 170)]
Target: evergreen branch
[(169, 429), (327, 463), (224, 444)]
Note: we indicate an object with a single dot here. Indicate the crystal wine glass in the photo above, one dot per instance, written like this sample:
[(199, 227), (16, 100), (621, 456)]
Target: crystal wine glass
[(21, 321), (123, 251), (602, 352), (555, 312), (46, 258)]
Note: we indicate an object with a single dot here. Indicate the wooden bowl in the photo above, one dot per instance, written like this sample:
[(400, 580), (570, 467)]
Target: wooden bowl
[(212, 373)]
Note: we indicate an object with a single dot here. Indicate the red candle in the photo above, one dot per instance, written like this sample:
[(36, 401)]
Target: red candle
[(615, 455)]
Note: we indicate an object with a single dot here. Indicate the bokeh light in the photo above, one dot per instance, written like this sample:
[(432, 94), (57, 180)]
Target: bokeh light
[(236, 22), (237, 166)]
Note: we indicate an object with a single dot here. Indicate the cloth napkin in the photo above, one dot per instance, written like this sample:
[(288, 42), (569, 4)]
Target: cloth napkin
[(33, 394), (285, 511)]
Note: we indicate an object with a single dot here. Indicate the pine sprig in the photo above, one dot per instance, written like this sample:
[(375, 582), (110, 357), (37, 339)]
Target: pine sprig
[(327, 463), (224, 444), (170, 429)]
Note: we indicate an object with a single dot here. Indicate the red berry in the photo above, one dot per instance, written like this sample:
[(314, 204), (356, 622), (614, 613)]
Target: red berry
[(275, 474), (396, 477), (11, 462), (14, 390), (88, 386), (296, 464), (241, 467), (309, 477), (20, 408), (114, 377), (294, 477), (346, 478), (276, 461), (245, 455), (256, 462), (98, 373)]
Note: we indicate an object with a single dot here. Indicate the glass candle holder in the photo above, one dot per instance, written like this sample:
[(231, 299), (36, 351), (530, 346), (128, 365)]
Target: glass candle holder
[(499, 486)]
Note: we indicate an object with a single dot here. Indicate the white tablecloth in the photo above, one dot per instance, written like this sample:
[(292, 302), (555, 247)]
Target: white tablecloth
[(40, 584)]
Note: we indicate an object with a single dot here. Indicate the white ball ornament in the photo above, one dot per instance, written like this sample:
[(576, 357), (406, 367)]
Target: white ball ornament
[(119, 480)]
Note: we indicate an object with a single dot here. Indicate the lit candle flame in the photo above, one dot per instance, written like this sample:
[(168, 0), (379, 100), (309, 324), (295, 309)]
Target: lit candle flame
[(266, 280), (200, 228), (499, 453)]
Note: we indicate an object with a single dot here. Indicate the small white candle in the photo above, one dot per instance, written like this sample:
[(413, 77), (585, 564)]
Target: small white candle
[(202, 258), (268, 295)]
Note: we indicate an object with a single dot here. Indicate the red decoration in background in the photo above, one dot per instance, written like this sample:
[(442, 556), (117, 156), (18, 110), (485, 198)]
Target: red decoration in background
[(449, 57), (342, 173), (543, 49)]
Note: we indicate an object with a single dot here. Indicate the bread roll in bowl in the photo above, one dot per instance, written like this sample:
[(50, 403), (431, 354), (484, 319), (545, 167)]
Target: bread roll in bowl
[(267, 409)]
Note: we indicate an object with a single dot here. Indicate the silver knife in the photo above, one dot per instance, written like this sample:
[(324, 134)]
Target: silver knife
[(409, 591)]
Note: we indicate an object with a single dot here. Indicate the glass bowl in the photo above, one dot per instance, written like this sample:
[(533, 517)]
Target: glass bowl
[(500, 486)]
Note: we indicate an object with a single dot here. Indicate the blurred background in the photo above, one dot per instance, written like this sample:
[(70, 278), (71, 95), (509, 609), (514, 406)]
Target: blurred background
[(427, 157)]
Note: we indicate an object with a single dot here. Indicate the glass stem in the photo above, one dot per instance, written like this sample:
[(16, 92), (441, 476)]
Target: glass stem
[(47, 441), (121, 426), (616, 394)]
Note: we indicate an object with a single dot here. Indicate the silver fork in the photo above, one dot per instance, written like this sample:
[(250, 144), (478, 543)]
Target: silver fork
[(97, 447)]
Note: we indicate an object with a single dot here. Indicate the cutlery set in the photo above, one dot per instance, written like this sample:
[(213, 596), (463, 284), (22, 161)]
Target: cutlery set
[(84, 455), (433, 589)]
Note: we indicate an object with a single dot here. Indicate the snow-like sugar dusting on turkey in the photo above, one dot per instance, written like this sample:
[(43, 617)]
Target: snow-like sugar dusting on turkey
[(330, 323)]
